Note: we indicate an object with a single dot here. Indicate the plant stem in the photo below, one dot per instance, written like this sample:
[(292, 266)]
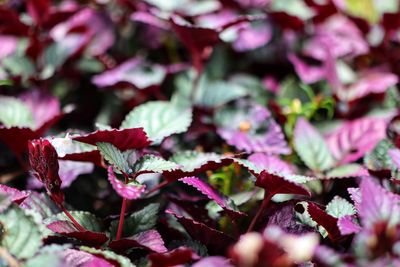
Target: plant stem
[(77, 225), (121, 219), (195, 87), (157, 187), (264, 205)]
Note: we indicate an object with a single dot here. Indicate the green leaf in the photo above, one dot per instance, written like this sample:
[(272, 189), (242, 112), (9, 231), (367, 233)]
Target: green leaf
[(6, 82), (13, 112), (305, 218), (311, 146), (114, 156), (159, 119), (21, 233), (41, 204), (344, 171), (379, 159), (109, 255), (19, 66), (139, 221), (88, 220), (192, 160), (153, 164), (339, 207), (48, 256)]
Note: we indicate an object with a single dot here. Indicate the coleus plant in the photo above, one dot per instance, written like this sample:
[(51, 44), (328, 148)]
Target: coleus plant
[(199, 133)]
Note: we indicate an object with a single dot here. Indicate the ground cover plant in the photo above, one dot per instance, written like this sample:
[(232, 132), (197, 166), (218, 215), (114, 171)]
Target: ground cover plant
[(199, 133)]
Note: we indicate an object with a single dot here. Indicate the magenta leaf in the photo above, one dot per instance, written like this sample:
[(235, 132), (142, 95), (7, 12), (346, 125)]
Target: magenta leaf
[(75, 257), (347, 225), (133, 138), (132, 190), (213, 261), (355, 138), (174, 257), (222, 201), (271, 163)]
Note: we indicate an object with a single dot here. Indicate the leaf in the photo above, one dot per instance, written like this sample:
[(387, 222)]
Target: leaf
[(13, 112), (41, 204), (68, 229), (355, 138), (114, 156), (347, 225), (132, 138), (174, 257), (213, 261), (347, 171), (270, 163), (274, 183), (222, 201), (21, 233), (110, 256), (75, 257), (377, 204), (131, 190), (379, 159), (5, 202), (153, 164), (340, 207), (193, 162), (14, 194), (320, 217), (139, 221), (311, 146), (48, 256), (213, 239), (150, 240), (88, 221), (159, 119), (141, 74)]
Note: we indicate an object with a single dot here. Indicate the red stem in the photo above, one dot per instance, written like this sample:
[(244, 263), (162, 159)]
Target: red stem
[(264, 205), (157, 187), (121, 220), (77, 225)]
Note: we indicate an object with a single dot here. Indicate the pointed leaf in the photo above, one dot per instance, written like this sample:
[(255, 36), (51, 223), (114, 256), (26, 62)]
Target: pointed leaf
[(150, 240), (159, 119), (311, 146), (222, 201), (14, 194), (110, 256), (347, 225), (14, 112), (153, 164), (40, 204), (114, 156), (132, 190), (339, 207), (347, 171)]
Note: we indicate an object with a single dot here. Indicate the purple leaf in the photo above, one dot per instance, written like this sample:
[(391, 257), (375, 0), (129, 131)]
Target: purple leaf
[(133, 138), (128, 191), (16, 195), (377, 204), (213, 261), (8, 45), (307, 73), (347, 225), (271, 163), (70, 170), (150, 240), (355, 138), (252, 37), (67, 228), (213, 194), (136, 71), (395, 155), (79, 258), (251, 128)]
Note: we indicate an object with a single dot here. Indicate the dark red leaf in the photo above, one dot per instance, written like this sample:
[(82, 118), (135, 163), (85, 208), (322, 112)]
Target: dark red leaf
[(38, 10), (68, 229), (90, 156), (215, 240), (274, 183), (43, 159), (174, 257), (149, 240), (134, 138), (324, 219)]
